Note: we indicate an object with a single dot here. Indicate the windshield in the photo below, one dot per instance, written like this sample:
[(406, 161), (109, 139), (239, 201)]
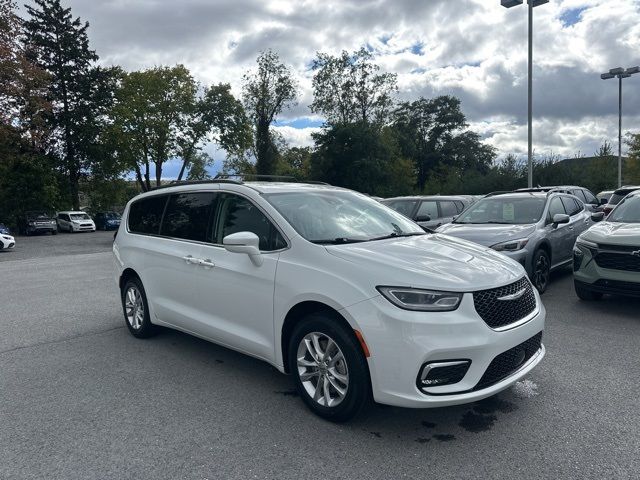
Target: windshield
[(507, 210), (627, 211), (618, 195), (340, 217), (38, 215), (79, 216)]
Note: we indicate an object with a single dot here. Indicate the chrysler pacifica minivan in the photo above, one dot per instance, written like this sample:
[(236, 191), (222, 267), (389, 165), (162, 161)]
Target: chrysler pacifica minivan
[(351, 298)]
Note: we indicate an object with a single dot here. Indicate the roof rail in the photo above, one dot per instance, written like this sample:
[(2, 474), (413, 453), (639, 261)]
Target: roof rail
[(174, 183), (499, 192), (274, 178)]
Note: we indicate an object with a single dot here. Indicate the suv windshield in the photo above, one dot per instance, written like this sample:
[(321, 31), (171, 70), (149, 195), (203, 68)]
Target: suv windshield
[(38, 216), (628, 211), (507, 210), (618, 195), (79, 216), (340, 217)]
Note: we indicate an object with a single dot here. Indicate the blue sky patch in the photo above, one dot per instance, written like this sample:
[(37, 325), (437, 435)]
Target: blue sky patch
[(571, 16)]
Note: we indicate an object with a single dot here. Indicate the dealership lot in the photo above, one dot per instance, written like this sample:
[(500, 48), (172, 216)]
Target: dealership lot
[(81, 398)]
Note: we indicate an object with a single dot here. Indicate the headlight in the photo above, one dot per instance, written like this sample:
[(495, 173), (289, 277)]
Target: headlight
[(52, 222), (586, 243), (31, 223), (421, 300), (511, 245)]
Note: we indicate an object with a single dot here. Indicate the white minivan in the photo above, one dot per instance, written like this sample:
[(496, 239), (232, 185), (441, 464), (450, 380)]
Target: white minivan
[(351, 298)]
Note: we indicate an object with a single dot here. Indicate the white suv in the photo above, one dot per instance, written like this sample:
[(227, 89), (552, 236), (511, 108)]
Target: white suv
[(350, 297)]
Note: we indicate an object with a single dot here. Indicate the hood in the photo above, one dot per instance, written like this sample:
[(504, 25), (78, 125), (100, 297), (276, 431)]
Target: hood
[(614, 233), (487, 234), (430, 261)]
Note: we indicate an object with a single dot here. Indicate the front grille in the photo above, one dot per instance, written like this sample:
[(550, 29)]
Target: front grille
[(499, 313), (619, 261), (508, 362), (622, 287)]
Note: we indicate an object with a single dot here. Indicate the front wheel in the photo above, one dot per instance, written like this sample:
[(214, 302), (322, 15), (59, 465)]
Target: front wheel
[(541, 270), (329, 368), (136, 309)]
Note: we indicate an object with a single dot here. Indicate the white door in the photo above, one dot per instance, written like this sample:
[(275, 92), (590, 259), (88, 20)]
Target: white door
[(235, 293)]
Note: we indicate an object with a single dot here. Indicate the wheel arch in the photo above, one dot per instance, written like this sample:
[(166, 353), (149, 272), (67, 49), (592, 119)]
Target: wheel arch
[(126, 274)]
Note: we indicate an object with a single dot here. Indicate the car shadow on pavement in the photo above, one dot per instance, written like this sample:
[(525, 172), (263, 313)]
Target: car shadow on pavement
[(417, 426)]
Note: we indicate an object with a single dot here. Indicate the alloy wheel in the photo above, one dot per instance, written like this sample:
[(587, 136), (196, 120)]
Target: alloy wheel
[(322, 369), (134, 308), (542, 273)]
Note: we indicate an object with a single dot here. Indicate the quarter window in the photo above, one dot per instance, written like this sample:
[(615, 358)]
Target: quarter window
[(187, 216), (428, 208), (145, 214), (237, 214), (448, 209)]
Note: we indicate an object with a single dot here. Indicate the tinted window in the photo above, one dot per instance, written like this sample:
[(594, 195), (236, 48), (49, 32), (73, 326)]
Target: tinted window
[(187, 216), (460, 205), (428, 208), (579, 193), (627, 211), (504, 209), (145, 214), (556, 207), (448, 209), (237, 214), (405, 207), (589, 197), (571, 206)]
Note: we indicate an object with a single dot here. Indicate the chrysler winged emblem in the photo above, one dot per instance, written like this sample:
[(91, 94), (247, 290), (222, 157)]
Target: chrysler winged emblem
[(636, 253), (513, 296)]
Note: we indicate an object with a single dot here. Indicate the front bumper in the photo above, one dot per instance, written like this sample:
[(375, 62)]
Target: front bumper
[(590, 276), (401, 341), (523, 257)]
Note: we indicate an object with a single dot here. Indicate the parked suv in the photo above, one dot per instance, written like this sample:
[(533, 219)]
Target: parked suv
[(429, 211), (107, 220), (617, 197), (606, 258), (347, 295), (536, 229), (75, 222), (581, 193), (37, 222)]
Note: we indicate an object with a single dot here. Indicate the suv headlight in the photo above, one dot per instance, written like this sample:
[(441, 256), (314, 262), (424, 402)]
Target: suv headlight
[(421, 300), (511, 245), (586, 244)]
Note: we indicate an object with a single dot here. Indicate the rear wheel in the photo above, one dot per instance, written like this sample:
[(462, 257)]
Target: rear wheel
[(541, 270), (329, 368), (136, 309), (585, 293)]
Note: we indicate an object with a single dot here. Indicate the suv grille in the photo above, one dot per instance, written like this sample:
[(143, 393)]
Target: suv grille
[(508, 362), (618, 261), (499, 313)]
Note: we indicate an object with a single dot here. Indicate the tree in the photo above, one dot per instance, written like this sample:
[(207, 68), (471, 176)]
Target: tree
[(432, 135), (632, 170), (198, 167), (605, 150), (295, 162), (215, 116), (349, 88), (59, 44), (362, 157), (266, 92)]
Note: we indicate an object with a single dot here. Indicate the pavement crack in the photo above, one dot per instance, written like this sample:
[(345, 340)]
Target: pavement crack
[(60, 340)]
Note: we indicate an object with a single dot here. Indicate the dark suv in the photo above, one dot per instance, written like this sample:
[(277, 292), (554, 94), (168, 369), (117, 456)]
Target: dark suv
[(39, 221), (429, 211)]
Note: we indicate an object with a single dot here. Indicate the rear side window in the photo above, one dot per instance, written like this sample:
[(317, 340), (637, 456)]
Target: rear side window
[(405, 207), (571, 206), (460, 205), (237, 214), (428, 208), (187, 216), (145, 214), (579, 193), (448, 209)]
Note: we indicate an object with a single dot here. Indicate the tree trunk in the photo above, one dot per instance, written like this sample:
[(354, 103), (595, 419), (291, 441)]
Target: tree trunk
[(265, 164)]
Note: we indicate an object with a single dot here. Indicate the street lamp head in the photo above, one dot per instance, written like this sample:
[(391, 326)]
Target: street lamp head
[(510, 3), (616, 71), (606, 76), (624, 75), (632, 70), (537, 3)]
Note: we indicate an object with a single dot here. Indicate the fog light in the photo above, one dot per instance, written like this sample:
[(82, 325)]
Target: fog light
[(436, 374)]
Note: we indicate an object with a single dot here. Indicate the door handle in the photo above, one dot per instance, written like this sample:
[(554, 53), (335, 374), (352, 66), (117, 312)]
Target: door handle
[(206, 263), (191, 260)]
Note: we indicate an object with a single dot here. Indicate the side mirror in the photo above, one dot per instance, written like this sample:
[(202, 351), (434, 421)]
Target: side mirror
[(597, 216), (604, 201), (244, 242), (423, 218), (559, 218)]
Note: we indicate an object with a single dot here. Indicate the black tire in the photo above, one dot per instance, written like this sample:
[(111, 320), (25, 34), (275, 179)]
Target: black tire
[(358, 392), (586, 294), (145, 329), (541, 270)]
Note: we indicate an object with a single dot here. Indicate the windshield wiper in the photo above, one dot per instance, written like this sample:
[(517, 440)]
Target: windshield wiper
[(337, 241), (395, 235)]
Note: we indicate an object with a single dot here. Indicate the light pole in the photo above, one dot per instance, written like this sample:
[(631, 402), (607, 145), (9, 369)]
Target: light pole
[(532, 3), (620, 73)]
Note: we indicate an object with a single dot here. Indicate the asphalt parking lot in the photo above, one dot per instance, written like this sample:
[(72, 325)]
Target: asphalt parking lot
[(80, 398)]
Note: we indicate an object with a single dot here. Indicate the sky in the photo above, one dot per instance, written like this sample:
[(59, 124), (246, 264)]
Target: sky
[(473, 49)]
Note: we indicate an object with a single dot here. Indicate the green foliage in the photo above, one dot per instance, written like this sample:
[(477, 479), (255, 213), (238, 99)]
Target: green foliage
[(362, 157), (198, 167), (265, 93), (349, 88)]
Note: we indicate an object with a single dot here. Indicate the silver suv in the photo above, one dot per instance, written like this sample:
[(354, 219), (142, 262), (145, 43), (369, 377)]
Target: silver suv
[(429, 211), (537, 229)]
